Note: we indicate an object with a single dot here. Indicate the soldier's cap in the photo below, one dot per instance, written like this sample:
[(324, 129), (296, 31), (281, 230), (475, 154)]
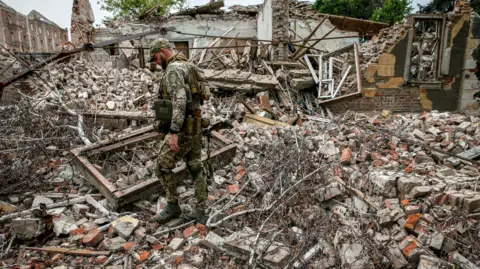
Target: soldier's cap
[(157, 45)]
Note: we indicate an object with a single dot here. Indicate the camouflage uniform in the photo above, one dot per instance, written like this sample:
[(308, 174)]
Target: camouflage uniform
[(176, 87)]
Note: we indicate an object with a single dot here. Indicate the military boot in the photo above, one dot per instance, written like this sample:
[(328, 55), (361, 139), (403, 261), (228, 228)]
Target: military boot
[(172, 211), (201, 216)]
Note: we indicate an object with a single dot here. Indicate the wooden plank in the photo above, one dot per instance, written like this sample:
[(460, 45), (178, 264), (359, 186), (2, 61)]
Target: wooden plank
[(261, 122), (129, 115), (305, 41), (221, 138), (127, 142), (68, 251), (96, 178), (202, 56), (109, 141)]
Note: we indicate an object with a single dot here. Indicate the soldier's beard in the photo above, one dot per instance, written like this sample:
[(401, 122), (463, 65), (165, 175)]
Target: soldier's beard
[(164, 62)]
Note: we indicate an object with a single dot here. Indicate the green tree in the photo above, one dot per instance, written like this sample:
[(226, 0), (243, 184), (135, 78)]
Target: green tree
[(392, 11), (121, 8), (445, 6), (361, 9), (436, 6)]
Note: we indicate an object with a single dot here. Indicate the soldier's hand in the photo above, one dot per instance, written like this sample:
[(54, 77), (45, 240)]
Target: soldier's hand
[(173, 143)]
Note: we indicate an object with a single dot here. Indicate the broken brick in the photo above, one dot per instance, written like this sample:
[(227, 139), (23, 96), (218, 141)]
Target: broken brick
[(129, 246), (190, 231), (240, 175), (346, 156), (93, 238), (78, 231), (412, 221), (233, 189), (157, 247), (57, 257), (101, 259), (144, 255)]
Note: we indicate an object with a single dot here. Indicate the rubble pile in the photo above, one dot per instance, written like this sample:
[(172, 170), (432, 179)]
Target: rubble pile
[(382, 43), (324, 194), (82, 85)]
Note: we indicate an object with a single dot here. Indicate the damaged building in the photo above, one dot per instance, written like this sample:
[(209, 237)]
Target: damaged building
[(334, 143)]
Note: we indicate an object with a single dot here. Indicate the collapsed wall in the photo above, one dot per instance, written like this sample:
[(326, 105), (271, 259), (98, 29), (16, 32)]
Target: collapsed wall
[(410, 70), (82, 30)]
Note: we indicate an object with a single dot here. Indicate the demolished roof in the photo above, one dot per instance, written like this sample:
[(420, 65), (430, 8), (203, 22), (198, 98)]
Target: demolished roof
[(2, 4), (38, 16)]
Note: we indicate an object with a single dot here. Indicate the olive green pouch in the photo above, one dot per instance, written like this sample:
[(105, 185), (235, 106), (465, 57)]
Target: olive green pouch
[(163, 110)]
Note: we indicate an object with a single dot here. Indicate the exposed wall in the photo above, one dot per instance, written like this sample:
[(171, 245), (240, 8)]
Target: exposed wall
[(82, 22), (280, 25), (384, 87), (304, 27), (471, 74), (264, 21)]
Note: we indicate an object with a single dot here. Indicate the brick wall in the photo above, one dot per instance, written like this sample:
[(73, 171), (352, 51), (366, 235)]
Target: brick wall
[(397, 100), (280, 16)]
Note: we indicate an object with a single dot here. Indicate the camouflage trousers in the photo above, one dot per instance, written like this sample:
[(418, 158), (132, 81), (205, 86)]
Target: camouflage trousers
[(191, 152)]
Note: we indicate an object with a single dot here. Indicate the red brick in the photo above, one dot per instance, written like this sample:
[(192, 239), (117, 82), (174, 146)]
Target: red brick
[(405, 202), (179, 260), (409, 169), (410, 247), (130, 245), (224, 258), (93, 238), (144, 255), (202, 228), (412, 221), (57, 257), (240, 174), (101, 259), (157, 247), (346, 156), (232, 189), (211, 197), (78, 231), (190, 231), (405, 147), (264, 102), (377, 163)]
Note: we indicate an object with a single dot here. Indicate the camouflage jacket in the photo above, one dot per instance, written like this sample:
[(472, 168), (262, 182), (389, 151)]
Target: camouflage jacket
[(178, 89)]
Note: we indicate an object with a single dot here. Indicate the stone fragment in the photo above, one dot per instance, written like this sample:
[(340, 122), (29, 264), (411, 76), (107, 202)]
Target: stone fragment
[(111, 105), (28, 228), (125, 226), (140, 233), (420, 191), (332, 190), (176, 243), (152, 240), (462, 262), (353, 256), (80, 208), (396, 257), (214, 241), (471, 204), (63, 225), (429, 262), (41, 200), (406, 184), (437, 241), (114, 244), (384, 217), (384, 184)]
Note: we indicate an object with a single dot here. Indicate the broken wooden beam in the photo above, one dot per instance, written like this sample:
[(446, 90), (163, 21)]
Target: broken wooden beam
[(261, 122), (239, 80), (204, 9)]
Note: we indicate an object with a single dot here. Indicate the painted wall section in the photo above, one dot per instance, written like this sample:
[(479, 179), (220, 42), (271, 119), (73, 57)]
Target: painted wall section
[(264, 21)]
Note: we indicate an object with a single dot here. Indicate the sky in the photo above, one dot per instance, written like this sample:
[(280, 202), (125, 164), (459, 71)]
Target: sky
[(60, 11)]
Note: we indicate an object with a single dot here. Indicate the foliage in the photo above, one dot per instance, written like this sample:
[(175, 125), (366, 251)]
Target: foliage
[(436, 6), (121, 8), (361, 9), (392, 11)]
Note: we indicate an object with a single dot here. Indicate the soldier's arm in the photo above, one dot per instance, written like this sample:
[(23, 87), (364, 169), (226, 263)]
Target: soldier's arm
[(177, 89)]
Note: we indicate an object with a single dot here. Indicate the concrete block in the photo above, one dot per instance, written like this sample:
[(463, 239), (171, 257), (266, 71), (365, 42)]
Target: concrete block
[(406, 184), (176, 243), (429, 262), (28, 228), (114, 244), (420, 191), (437, 241), (462, 262), (384, 184), (80, 208), (396, 257), (214, 241)]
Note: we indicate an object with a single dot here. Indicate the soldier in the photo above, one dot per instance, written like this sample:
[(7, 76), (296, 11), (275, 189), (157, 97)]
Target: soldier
[(180, 102)]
